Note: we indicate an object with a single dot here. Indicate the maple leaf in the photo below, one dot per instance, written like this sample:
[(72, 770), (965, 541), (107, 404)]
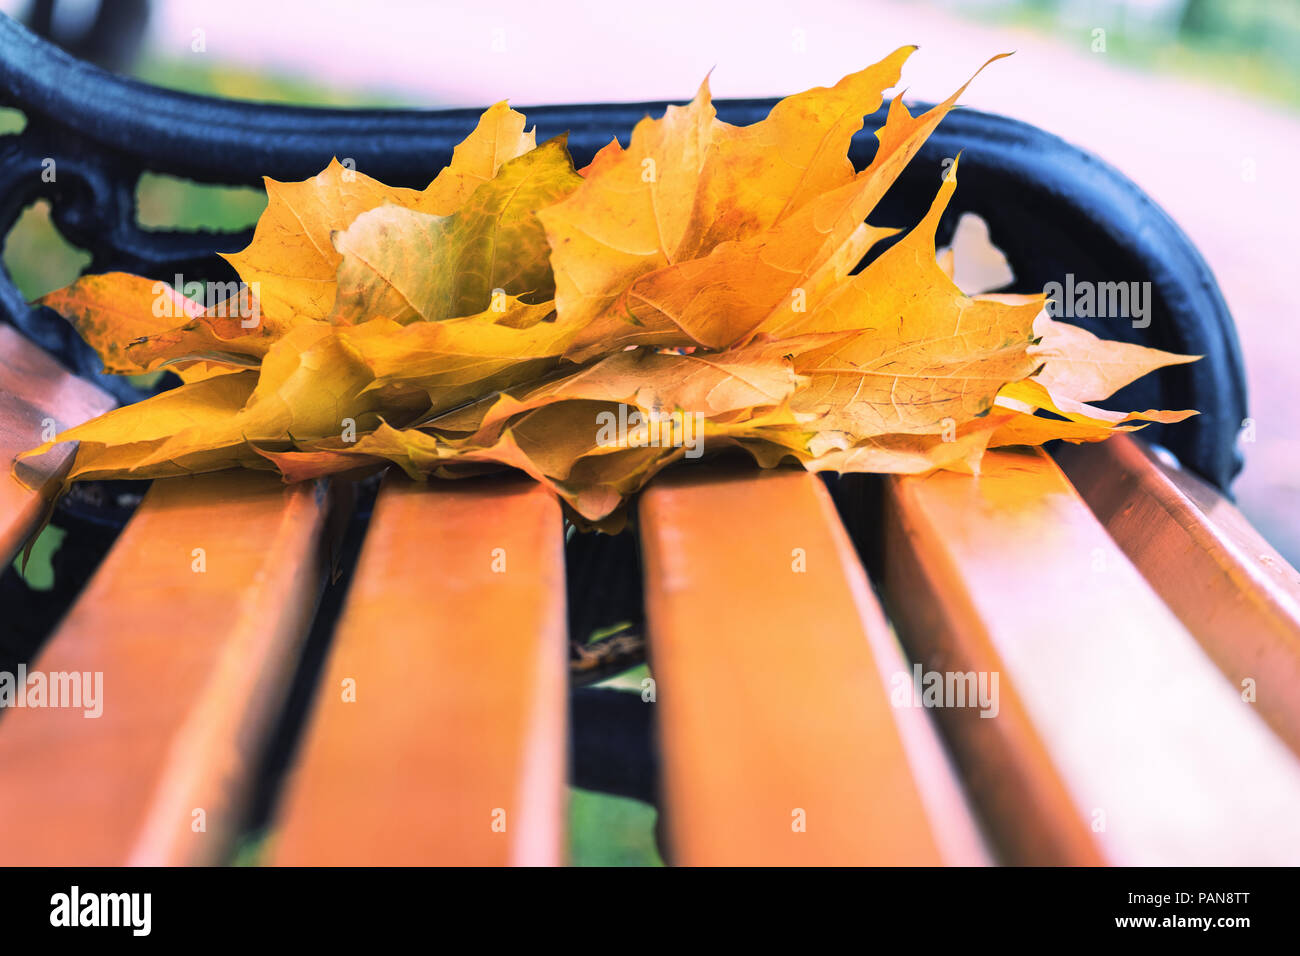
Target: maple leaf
[(114, 310), (591, 327), (1089, 369), (636, 285), (115, 443), (924, 355), (405, 265), (292, 259)]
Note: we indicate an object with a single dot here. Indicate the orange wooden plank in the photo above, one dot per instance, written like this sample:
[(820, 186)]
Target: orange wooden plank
[(773, 664), (1227, 584), (452, 749), (35, 392), (192, 666), (1116, 740)]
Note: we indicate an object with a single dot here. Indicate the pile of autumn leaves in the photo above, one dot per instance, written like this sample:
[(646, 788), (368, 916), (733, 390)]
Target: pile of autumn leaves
[(491, 318)]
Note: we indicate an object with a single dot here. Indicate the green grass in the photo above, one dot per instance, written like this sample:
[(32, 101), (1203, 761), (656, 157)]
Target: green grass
[(38, 258), (252, 850), (211, 77), (39, 571), (610, 831), (1249, 45), (167, 202), (11, 120)]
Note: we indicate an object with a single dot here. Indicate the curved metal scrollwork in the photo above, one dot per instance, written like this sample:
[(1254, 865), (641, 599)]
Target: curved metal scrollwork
[(1051, 207)]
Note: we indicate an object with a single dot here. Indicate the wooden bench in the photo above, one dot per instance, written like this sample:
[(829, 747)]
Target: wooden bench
[(1145, 642)]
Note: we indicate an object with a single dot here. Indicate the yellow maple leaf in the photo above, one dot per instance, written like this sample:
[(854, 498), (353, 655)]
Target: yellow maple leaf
[(292, 260), (405, 265)]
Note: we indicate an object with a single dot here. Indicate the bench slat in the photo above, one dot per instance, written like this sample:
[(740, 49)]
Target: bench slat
[(1227, 584), (33, 388), (771, 685), (454, 639), (195, 665), (1117, 739)]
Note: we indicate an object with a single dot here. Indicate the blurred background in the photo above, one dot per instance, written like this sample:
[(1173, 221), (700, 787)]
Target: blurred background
[(1198, 101)]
